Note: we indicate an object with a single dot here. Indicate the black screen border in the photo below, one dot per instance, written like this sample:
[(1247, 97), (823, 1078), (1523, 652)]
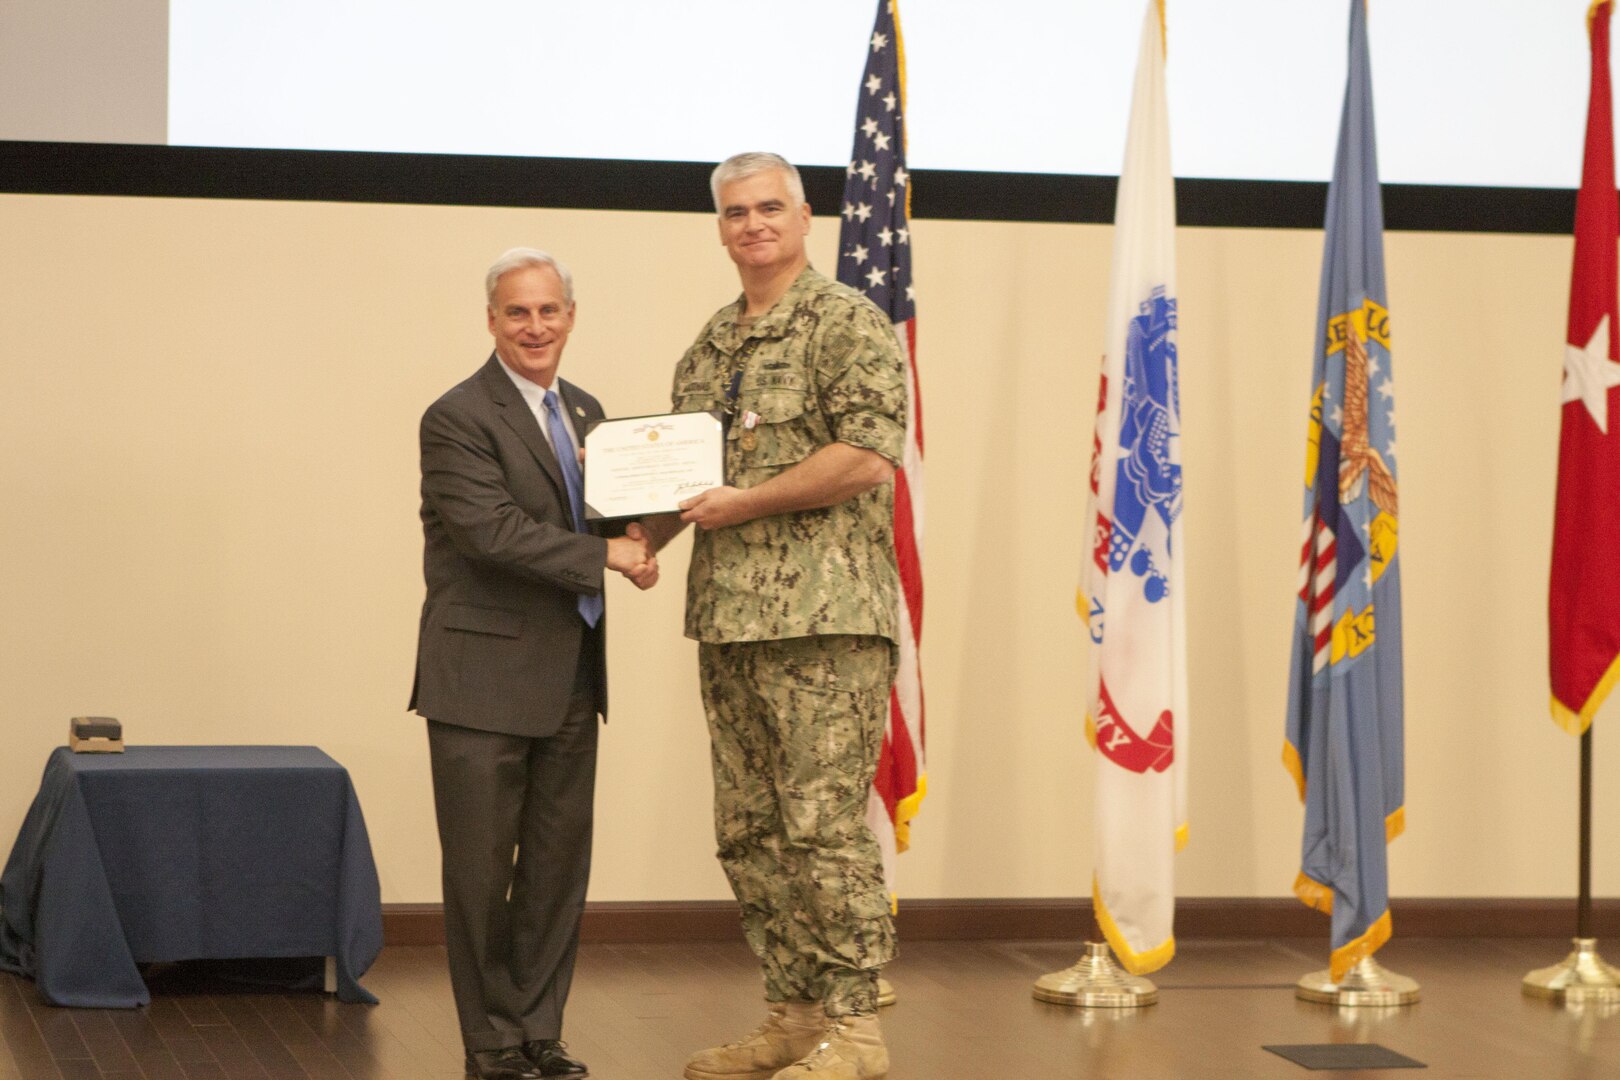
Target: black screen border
[(191, 172)]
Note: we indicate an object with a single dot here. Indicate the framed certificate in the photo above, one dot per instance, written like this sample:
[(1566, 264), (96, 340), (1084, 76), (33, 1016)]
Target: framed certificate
[(648, 464)]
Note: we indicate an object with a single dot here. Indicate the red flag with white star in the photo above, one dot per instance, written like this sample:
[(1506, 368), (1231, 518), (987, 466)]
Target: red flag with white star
[(1584, 600)]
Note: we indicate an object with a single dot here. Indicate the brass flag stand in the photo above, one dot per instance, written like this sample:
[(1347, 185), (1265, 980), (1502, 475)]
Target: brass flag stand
[(1095, 981), (1582, 977), (1367, 983)]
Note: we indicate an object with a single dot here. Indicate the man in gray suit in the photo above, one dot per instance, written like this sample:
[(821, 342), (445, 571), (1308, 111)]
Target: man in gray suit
[(510, 670)]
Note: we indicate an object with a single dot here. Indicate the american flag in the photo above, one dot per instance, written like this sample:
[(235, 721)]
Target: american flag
[(874, 256)]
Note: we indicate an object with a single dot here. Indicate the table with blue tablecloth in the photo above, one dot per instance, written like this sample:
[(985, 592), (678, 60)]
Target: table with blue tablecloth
[(168, 853)]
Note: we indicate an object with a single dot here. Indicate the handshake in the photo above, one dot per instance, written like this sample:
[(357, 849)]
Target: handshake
[(635, 554), (632, 555)]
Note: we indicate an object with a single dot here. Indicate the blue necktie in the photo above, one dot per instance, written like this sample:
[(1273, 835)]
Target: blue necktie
[(590, 607)]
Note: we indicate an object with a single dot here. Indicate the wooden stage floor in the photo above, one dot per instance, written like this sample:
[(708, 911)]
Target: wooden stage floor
[(965, 1013)]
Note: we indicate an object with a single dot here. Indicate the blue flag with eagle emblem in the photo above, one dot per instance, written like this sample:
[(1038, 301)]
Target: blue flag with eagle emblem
[(1345, 703)]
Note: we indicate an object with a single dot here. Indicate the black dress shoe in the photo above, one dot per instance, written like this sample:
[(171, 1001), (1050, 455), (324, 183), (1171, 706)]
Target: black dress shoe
[(509, 1063), (548, 1057)]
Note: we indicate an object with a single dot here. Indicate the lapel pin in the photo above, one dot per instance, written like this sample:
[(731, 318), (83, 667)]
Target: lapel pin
[(579, 410)]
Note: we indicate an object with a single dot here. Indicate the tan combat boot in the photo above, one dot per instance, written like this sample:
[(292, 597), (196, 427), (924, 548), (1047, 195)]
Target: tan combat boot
[(791, 1031), (851, 1048)]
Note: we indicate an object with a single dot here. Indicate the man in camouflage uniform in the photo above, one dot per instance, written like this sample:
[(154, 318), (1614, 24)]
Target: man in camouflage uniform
[(792, 594)]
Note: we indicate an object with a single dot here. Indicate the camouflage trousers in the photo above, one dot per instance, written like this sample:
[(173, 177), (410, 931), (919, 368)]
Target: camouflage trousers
[(795, 727)]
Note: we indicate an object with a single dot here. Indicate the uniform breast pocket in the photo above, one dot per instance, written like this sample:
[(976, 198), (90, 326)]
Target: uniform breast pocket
[(785, 432)]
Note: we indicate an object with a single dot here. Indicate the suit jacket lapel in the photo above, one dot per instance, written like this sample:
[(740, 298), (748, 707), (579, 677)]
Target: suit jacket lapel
[(515, 413), (574, 407)]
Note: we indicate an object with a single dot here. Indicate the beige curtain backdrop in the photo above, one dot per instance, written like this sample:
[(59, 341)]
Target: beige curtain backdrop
[(208, 418)]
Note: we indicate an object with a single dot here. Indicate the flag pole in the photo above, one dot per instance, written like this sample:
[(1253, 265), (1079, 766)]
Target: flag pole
[(1583, 903), (1582, 977), (1345, 741), (1583, 664), (1137, 665), (874, 258)]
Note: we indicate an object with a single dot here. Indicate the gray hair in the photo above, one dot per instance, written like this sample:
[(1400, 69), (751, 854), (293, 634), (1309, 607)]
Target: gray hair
[(742, 166), (519, 257)]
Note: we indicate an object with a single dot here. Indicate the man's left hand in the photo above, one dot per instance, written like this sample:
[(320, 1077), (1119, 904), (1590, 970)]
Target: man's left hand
[(716, 508)]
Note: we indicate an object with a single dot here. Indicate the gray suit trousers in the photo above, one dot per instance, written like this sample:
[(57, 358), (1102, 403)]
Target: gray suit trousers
[(514, 819)]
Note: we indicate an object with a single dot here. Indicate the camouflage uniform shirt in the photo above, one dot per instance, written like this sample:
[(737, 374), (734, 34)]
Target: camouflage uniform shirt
[(821, 366)]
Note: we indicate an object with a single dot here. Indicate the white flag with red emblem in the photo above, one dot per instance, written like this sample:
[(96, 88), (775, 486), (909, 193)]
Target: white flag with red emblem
[(1131, 583)]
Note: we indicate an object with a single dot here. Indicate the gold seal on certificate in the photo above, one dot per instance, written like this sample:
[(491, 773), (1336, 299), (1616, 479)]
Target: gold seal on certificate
[(649, 464)]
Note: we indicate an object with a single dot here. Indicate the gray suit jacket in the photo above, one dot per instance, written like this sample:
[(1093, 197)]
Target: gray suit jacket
[(500, 638)]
